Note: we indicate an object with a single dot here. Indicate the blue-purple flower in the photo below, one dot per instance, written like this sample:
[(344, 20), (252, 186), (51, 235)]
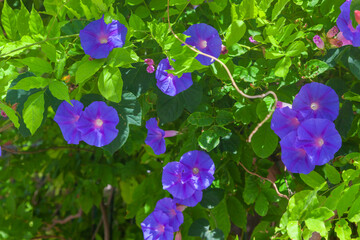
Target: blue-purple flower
[(319, 138), (156, 136), (294, 157), (174, 183), (67, 118), (198, 170), (168, 206), (191, 201), (98, 38), (345, 26), (316, 100), (206, 39), (98, 124), (284, 121), (156, 226), (168, 83)]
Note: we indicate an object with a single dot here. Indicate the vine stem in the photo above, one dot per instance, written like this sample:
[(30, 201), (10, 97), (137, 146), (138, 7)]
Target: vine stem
[(265, 179), (230, 76), (38, 43)]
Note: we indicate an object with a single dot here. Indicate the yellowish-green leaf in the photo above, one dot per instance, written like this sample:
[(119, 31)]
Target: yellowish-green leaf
[(33, 111)]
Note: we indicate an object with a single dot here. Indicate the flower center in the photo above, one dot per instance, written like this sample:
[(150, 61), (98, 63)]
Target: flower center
[(170, 75), (195, 170), (314, 106), (98, 122), (161, 228), (357, 16), (103, 40), (203, 44), (295, 121), (76, 118), (319, 142)]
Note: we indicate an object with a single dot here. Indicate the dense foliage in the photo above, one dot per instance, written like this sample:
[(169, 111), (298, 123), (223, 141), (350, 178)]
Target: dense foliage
[(70, 180)]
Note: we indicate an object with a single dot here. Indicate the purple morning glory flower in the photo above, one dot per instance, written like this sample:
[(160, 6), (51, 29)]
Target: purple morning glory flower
[(168, 206), (98, 124), (156, 227), (285, 120), (168, 83), (345, 26), (319, 138), (295, 158), (67, 117), (156, 136), (173, 181), (98, 38), (206, 39), (192, 201), (199, 169), (316, 100)]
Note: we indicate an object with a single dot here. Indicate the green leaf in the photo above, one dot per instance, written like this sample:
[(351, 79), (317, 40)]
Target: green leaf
[(224, 117), (37, 65), (120, 57), (248, 9), (217, 5), (137, 80), (354, 212), (208, 140), (316, 225), (212, 197), (264, 141), (237, 212), (199, 227), (282, 67), (342, 229), (313, 179), (295, 49), (293, 229), (315, 67), (31, 82), (354, 62), (133, 2), (200, 119), (235, 32), (88, 69), (321, 213), (251, 190), (222, 218), (138, 25), (11, 113), (8, 20), (59, 90), (333, 198), (169, 108), (279, 6), (110, 84), (347, 199), (22, 21), (36, 24), (351, 96), (33, 111), (332, 174), (261, 205)]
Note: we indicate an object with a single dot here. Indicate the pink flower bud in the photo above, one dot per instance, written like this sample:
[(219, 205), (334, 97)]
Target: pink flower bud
[(282, 104), (344, 41), (357, 16), (332, 32), (319, 42), (223, 50), (170, 133), (3, 114), (150, 69), (149, 61), (178, 236), (252, 40), (336, 42)]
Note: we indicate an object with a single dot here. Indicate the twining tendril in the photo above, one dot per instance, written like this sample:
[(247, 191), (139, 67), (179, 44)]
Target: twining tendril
[(231, 78), (242, 94)]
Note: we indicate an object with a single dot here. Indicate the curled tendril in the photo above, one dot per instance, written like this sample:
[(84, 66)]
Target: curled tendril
[(231, 78)]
